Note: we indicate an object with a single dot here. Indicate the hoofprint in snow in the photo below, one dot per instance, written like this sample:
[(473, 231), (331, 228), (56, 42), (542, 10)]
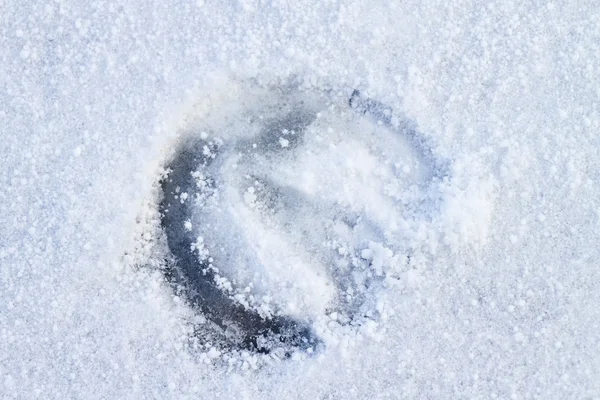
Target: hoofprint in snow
[(312, 207)]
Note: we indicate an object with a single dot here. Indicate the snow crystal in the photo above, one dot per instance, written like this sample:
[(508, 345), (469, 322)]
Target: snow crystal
[(284, 142)]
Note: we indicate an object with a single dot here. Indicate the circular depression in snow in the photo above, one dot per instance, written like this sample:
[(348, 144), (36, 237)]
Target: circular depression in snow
[(286, 211)]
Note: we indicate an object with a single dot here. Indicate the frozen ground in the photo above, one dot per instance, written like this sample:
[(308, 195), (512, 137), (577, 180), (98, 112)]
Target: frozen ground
[(450, 252)]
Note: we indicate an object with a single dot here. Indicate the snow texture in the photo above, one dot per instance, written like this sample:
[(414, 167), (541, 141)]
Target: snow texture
[(413, 185)]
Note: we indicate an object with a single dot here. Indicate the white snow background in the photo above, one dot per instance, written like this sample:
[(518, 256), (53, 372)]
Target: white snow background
[(500, 296)]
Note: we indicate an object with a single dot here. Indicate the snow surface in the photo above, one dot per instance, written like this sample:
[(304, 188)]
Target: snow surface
[(480, 200)]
